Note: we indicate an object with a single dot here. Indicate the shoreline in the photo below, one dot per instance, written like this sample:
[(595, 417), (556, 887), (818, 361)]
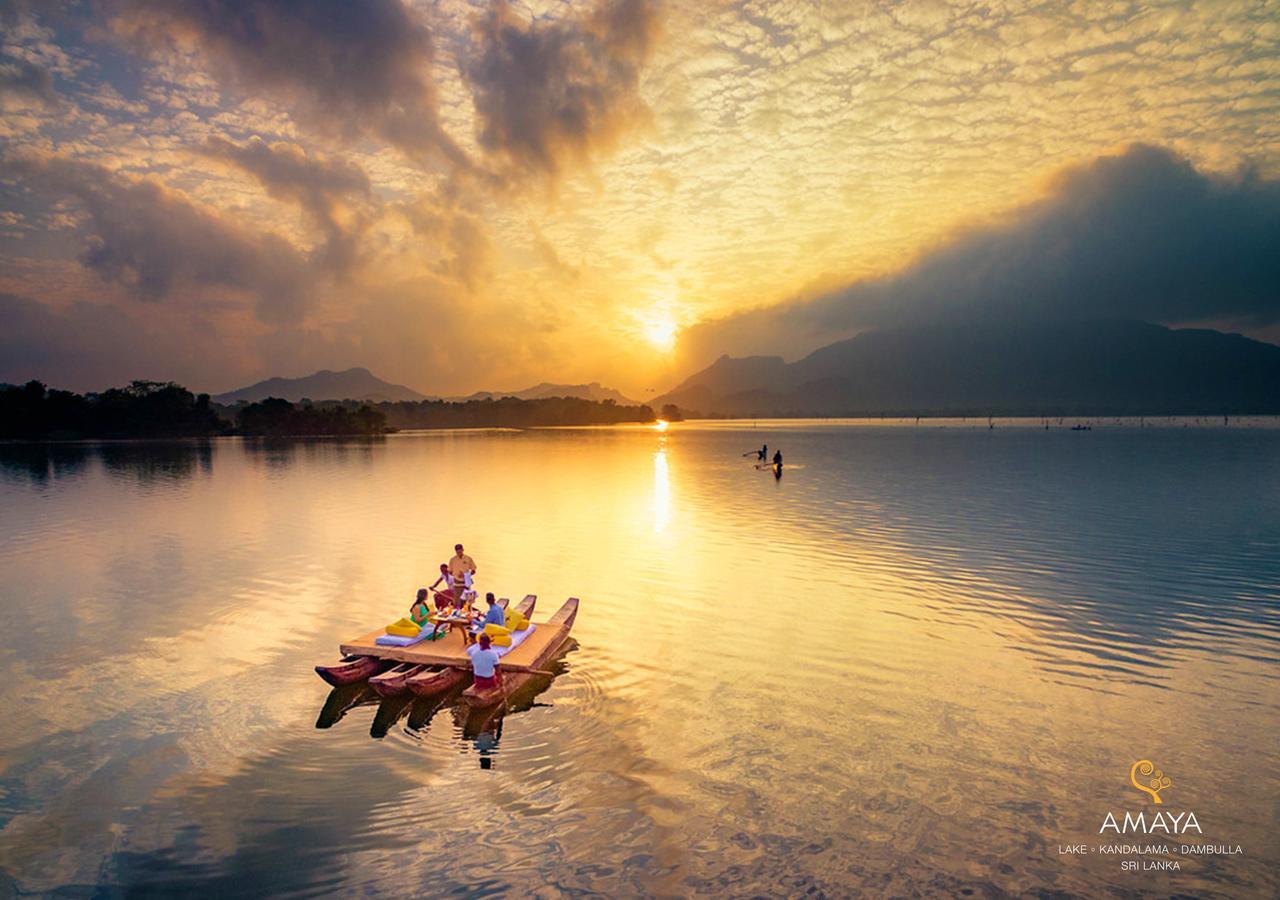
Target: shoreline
[(979, 423)]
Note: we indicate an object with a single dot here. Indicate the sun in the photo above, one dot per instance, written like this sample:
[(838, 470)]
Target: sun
[(661, 332)]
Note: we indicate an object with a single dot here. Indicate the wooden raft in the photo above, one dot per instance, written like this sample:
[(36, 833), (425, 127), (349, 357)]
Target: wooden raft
[(451, 650)]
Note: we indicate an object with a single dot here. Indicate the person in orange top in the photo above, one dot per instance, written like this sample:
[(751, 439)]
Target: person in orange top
[(462, 568)]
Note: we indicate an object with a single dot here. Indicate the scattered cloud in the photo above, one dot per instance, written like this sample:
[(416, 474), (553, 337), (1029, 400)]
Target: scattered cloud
[(556, 92), (335, 193), (23, 82), (313, 181), (349, 69), (160, 244)]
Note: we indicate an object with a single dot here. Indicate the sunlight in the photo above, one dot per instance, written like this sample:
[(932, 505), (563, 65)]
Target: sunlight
[(661, 491), (661, 332)]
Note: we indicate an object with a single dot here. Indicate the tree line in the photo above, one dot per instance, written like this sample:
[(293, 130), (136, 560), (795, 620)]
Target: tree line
[(510, 412), (163, 409), (154, 409)]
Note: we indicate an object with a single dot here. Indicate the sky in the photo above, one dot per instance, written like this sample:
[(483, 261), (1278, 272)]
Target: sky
[(465, 196)]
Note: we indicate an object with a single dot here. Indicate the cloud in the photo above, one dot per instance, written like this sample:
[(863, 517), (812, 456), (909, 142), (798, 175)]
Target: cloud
[(1140, 234), (551, 93), (347, 68), (324, 188), (23, 82), (158, 243), (455, 234)]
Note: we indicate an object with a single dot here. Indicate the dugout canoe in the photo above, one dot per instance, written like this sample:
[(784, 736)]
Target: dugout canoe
[(352, 668), (433, 680), (552, 640)]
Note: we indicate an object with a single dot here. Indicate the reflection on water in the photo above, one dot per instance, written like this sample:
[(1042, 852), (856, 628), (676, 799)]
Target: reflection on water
[(661, 489), (478, 728), (916, 664)]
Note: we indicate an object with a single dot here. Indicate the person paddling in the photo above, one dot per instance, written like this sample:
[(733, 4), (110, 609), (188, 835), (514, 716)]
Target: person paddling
[(484, 666), (444, 598)]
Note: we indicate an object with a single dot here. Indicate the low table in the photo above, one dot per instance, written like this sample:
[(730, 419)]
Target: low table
[(453, 621)]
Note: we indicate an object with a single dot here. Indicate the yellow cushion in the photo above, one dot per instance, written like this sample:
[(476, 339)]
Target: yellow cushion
[(517, 624), (404, 628), (492, 630), (500, 640)]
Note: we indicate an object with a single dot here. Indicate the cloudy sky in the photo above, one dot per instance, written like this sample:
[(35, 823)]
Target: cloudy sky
[(467, 195)]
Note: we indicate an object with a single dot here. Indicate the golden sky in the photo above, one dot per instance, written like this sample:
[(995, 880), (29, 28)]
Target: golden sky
[(465, 196)]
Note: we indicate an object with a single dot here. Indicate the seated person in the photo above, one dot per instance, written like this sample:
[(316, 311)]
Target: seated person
[(495, 615), (419, 611), (484, 666), (446, 597)]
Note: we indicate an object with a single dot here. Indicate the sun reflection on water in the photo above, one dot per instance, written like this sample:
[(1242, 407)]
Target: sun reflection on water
[(661, 490)]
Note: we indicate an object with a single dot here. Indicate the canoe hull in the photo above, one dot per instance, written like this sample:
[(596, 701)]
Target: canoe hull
[(439, 681), (392, 682), (352, 669), (430, 682)]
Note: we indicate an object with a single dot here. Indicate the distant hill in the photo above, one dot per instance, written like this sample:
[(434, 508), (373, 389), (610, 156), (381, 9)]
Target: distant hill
[(1086, 367), (593, 391), (351, 384)]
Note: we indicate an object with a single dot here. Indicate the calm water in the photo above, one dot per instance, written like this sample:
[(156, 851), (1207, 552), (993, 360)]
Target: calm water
[(917, 664)]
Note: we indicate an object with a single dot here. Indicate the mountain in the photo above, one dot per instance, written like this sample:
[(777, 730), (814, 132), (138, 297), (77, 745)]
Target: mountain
[(593, 391), (351, 384), (1073, 367)]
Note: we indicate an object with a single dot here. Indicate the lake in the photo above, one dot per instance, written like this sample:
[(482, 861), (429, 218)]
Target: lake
[(923, 661)]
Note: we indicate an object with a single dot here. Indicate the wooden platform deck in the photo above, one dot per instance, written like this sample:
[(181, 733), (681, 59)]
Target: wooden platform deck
[(451, 651)]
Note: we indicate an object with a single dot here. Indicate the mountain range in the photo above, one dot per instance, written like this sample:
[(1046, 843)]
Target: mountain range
[(361, 384), (1034, 367), (593, 391), (350, 384)]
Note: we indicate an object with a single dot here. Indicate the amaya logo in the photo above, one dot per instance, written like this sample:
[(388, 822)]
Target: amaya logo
[(1160, 822), (1144, 775), (1153, 781)]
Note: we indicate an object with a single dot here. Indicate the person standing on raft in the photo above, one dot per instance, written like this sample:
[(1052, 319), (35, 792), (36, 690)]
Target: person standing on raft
[(463, 569), (484, 666), (448, 597)]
